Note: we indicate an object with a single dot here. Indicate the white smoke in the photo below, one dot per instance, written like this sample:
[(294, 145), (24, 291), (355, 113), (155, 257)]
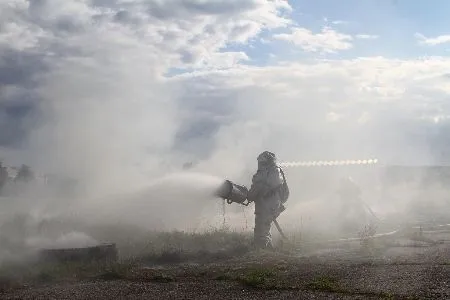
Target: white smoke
[(177, 201), (109, 107), (68, 240)]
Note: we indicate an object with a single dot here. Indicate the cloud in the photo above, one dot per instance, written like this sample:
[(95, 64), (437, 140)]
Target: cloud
[(339, 22), (332, 109), (327, 41), (92, 73), (172, 30), (432, 41), (366, 36)]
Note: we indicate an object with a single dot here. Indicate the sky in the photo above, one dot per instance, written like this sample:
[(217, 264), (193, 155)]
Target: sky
[(138, 86)]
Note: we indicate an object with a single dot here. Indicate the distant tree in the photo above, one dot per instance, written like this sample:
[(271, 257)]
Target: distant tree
[(25, 174), (3, 176)]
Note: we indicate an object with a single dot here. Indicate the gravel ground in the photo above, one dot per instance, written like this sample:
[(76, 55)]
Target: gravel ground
[(403, 273), (193, 290)]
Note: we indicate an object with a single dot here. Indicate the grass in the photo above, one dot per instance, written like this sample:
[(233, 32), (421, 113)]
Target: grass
[(178, 246), (261, 277), (324, 284), (330, 285), (132, 241), (139, 247), (172, 246), (136, 247), (170, 256), (162, 278), (268, 279), (257, 277), (271, 276), (136, 243)]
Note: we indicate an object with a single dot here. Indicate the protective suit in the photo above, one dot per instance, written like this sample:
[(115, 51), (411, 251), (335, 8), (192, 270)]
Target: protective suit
[(265, 193)]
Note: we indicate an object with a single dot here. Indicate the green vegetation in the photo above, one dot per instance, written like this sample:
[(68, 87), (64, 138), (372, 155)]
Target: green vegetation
[(172, 247), (325, 284), (162, 278), (257, 277), (136, 247), (263, 270)]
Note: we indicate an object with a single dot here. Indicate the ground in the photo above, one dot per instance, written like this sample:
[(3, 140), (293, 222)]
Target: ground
[(374, 270)]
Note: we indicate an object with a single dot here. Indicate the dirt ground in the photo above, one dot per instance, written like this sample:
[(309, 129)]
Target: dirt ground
[(402, 272)]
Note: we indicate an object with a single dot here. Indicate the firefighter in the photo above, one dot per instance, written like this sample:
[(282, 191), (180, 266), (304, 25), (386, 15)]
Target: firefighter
[(269, 191)]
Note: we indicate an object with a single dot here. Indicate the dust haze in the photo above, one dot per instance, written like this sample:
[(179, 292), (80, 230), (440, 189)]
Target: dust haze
[(111, 116)]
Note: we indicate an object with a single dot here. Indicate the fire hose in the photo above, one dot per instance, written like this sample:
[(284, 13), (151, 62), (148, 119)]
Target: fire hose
[(279, 229)]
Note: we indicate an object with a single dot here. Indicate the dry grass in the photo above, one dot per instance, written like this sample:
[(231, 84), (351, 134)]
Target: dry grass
[(139, 248)]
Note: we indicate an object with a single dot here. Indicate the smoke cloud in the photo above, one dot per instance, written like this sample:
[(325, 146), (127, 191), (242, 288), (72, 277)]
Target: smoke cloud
[(119, 95)]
